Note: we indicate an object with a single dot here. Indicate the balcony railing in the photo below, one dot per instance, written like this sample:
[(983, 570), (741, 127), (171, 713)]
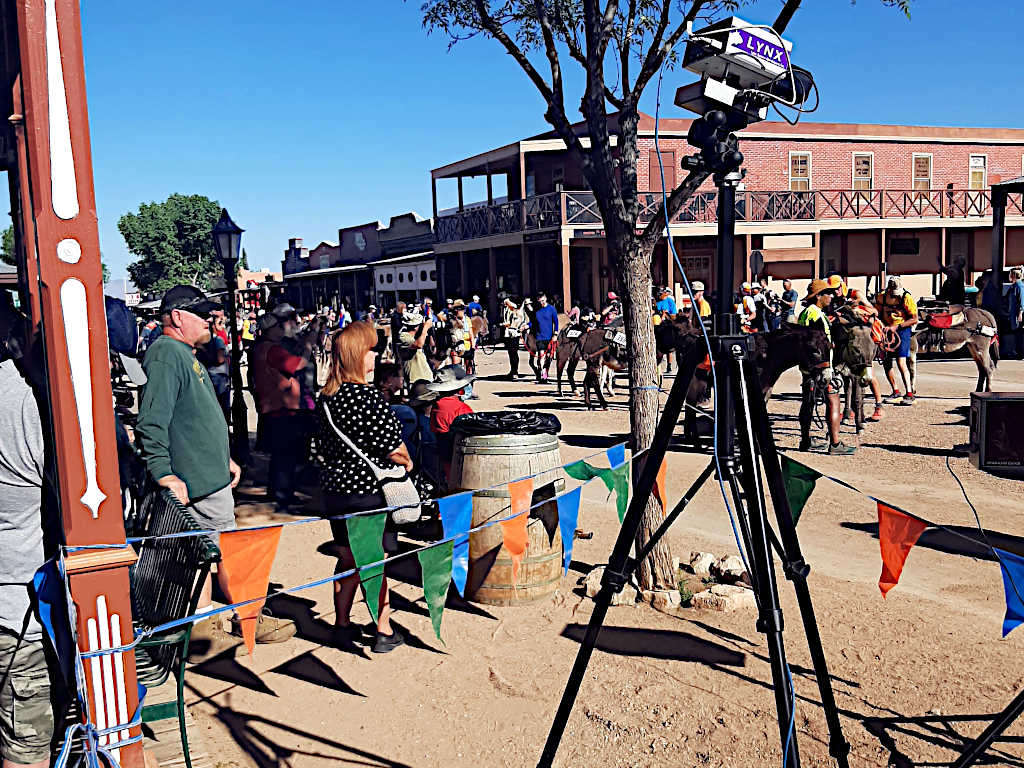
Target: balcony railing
[(580, 209)]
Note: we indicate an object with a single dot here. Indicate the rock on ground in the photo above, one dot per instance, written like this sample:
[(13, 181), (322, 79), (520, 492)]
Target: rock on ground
[(724, 597), (592, 584), (729, 570), (664, 600), (701, 562)]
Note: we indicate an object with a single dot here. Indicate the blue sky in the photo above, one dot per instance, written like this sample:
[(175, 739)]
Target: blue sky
[(305, 117)]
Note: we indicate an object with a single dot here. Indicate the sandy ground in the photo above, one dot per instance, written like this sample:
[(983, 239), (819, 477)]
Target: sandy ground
[(914, 674)]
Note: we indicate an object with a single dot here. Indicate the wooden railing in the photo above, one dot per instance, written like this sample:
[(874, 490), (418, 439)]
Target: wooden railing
[(580, 208)]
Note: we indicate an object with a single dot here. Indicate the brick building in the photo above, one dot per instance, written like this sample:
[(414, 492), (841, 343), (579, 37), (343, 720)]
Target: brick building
[(864, 200)]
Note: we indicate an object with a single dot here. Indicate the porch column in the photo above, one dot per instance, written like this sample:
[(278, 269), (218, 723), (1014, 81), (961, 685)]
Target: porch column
[(746, 244), (566, 277), (62, 211), (490, 190), (463, 282), (670, 275), (524, 256), (883, 262), (492, 294), (433, 194), (942, 259), (596, 254), (461, 205)]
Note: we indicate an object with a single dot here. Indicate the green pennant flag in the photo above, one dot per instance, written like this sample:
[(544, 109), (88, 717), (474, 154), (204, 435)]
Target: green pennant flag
[(615, 480), (800, 481), (580, 470), (366, 540), (436, 566)]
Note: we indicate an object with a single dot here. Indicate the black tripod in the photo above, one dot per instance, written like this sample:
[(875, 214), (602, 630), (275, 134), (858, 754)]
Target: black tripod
[(744, 441), (977, 748)]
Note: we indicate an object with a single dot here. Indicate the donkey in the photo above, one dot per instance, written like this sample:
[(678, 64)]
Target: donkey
[(854, 351), (972, 333), (597, 353)]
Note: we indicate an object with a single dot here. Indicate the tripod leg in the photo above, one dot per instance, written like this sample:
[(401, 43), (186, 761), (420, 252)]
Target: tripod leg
[(619, 564), (974, 751), (769, 621), (795, 567)]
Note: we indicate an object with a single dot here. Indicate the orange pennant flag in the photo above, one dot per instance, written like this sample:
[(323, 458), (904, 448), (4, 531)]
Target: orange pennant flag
[(897, 533), (659, 488), (514, 531), (246, 559)]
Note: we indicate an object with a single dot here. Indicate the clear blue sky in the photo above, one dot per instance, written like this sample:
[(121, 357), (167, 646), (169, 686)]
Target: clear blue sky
[(305, 117)]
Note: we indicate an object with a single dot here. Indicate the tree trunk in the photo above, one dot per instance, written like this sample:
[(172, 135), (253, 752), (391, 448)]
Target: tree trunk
[(634, 270)]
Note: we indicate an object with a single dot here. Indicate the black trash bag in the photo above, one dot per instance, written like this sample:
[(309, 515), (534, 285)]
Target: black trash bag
[(507, 423)]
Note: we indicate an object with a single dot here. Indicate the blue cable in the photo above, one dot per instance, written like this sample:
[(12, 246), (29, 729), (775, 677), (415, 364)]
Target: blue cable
[(704, 332), (792, 717)]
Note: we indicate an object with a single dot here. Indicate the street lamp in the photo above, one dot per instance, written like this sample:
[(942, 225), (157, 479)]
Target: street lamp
[(227, 239)]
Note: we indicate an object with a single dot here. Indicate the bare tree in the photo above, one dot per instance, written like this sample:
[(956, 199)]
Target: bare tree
[(621, 47)]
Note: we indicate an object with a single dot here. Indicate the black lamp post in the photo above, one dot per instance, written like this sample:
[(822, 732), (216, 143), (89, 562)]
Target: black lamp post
[(227, 239)]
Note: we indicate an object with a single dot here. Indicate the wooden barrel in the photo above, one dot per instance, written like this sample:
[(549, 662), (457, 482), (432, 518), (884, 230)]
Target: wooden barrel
[(486, 460)]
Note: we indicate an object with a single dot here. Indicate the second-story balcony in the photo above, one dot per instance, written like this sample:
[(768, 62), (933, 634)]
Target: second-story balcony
[(559, 209)]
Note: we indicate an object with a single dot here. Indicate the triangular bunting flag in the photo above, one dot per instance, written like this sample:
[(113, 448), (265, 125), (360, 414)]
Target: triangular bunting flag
[(366, 540), (514, 530), (456, 518), (580, 470), (659, 487), (568, 514), (616, 455), (800, 481), (246, 558), (436, 567), (617, 482), (897, 533), (1012, 568)]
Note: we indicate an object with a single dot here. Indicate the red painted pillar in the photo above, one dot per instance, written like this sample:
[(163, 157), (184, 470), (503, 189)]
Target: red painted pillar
[(60, 203)]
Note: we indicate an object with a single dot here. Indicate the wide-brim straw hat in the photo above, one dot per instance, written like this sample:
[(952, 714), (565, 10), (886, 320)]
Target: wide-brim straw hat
[(412, 319), (817, 286), (451, 378), (458, 304)]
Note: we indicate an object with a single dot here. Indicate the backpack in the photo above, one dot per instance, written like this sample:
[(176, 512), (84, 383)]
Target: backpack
[(122, 332)]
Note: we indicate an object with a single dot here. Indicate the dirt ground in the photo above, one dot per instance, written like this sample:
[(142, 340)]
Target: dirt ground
[(914, 674)]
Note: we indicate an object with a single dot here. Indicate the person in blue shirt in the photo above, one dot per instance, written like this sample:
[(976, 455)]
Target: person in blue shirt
[(1016, 313), (474, 307), (666, 304), (545, 332)]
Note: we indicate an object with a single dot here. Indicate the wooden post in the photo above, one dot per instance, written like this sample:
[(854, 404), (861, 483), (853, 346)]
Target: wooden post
[(433, 194), (461, 204), (670, 274), (566, 275), (524, 258), (492, 294), (490, 189), (63, 213)]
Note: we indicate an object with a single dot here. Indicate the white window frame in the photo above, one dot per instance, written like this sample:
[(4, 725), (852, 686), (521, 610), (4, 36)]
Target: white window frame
[(976, 202), (853, 168), (810, 169), (971, 157), (913, 170)]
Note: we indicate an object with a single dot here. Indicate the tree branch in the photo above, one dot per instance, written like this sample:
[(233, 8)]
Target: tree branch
[(656, 53), (626, 46), (654, 229), (495, 29)]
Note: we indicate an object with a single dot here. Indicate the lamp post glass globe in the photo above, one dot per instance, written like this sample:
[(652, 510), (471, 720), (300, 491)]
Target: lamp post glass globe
[(227, 238)]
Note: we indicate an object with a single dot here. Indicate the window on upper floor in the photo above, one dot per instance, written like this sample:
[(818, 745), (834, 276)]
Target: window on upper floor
[(978, 172), (799, 171), (863, 170), (922, 169), (668, 162)]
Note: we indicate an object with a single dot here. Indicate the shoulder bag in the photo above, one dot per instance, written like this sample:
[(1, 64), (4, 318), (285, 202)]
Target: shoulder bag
[(395, 484)]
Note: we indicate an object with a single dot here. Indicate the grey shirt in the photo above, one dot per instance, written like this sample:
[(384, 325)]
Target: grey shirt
[(21, 493)]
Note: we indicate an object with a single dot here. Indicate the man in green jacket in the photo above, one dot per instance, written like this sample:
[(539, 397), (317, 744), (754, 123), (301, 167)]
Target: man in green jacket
[(183, 434)]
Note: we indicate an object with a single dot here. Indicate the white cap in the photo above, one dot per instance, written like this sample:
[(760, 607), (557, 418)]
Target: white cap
[(476, 298), (697, 285)]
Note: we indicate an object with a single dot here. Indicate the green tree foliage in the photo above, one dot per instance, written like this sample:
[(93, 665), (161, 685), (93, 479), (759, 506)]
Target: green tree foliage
[(172, 241), (106, 272), (7, 246), (243, 263)]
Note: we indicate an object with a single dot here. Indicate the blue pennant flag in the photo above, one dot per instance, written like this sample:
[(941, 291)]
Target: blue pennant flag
[(456, 517), (51, 596), (568, 512), (1012, 567), (616, 455)]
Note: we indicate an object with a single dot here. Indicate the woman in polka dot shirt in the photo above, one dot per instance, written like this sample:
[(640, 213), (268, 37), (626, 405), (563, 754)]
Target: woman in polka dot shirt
[(347, 483)]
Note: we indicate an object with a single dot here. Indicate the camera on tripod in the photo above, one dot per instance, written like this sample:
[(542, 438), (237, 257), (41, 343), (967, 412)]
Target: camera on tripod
[(745, 68)]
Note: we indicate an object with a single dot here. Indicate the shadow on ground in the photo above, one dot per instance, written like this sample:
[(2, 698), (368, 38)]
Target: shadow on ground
[(968, 544), (659, 644)]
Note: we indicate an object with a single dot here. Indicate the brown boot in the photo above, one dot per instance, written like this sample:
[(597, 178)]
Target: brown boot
[(269, 629), (208, 640)]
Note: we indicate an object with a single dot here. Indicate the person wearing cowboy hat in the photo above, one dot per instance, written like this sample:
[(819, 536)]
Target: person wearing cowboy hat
[(703, 307), (819, 296), (450, 383), (747, 309), (461, 329), (612, 310), (413, 337), (513, 319)]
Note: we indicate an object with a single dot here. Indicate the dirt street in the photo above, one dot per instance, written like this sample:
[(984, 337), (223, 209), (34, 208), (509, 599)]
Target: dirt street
[(912, 673)]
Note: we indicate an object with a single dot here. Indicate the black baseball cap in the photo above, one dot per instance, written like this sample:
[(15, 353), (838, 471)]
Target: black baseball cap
[(188, 298)]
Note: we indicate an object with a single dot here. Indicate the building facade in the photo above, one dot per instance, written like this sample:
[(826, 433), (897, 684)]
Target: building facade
[(370, 264), (862, 200)]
